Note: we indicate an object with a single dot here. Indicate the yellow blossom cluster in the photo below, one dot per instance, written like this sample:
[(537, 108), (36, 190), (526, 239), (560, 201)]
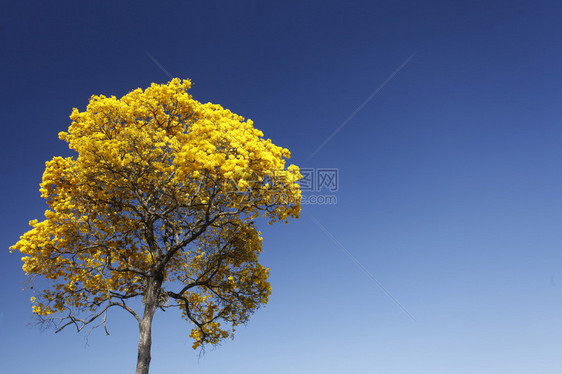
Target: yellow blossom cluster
[(164, 190)]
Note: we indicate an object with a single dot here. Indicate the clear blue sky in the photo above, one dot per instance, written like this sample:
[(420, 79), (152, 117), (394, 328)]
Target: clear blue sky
[(450, 178)]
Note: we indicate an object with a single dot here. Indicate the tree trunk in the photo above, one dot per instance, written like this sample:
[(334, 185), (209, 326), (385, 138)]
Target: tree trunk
[(145, 326)]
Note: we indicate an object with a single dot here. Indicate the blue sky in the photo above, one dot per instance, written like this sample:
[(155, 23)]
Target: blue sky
[(450, 178)]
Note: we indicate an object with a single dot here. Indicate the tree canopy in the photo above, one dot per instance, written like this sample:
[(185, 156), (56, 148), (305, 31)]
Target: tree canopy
[(159, 204)]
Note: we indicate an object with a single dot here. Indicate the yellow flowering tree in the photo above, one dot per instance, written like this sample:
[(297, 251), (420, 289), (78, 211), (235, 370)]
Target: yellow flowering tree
[(158, 205)]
